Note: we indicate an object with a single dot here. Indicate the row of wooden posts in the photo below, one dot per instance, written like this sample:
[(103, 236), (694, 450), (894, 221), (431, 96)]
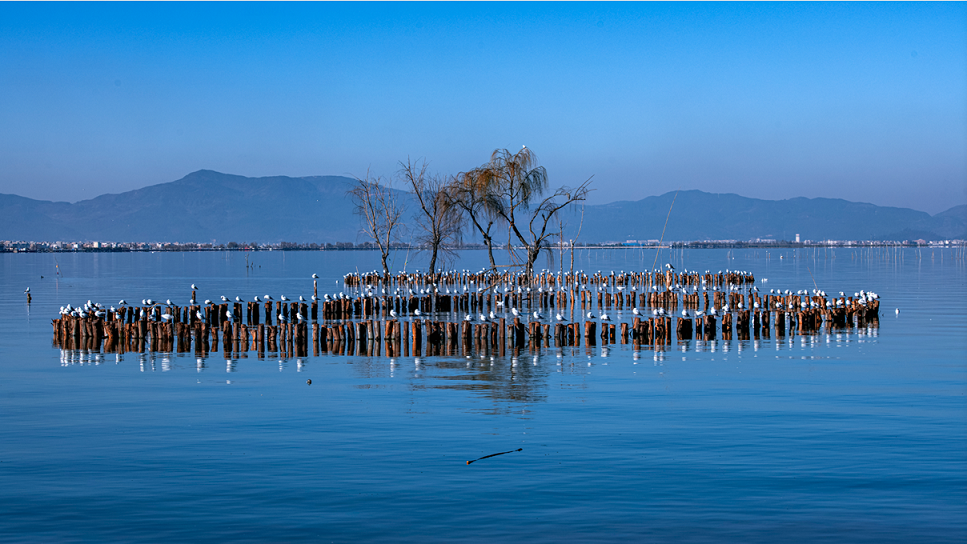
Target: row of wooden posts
[(370, 307), (546, 279), (398, 336)]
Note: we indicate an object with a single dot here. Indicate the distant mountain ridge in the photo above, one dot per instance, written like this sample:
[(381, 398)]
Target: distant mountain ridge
[(206, 205), (201, 207), (697, 215)]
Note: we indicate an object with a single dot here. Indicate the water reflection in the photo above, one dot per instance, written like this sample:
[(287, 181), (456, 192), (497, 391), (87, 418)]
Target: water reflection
[(507, 376), (365, 357), (500, 379)]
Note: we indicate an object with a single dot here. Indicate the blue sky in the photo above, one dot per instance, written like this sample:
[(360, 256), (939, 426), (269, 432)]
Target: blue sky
[(866, 101)]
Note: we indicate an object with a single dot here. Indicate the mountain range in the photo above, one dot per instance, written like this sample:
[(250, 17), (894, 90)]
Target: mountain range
[(208, 206)]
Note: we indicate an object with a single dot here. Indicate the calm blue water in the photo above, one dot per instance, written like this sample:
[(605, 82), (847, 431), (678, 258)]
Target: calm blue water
[(858, 437)]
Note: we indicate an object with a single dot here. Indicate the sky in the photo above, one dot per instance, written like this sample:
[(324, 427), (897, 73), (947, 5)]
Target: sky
[(860, 101)]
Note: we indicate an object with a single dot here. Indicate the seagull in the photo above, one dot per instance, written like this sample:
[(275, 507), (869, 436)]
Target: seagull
[(27, 290), (238, 298), (224, 298), (604, 317), (536, 315), (416, 312), (193, 287), (493, 315), (515, 312), (207, 302), (590, 315), (635, 311), (315, 276)]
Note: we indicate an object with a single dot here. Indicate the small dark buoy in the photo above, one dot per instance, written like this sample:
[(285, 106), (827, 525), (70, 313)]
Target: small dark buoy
[(308, 382)]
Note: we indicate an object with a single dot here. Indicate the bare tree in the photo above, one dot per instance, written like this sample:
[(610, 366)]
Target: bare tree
[(378, 205), (439, 219), (542, 215), (517, 184), (471, 192)]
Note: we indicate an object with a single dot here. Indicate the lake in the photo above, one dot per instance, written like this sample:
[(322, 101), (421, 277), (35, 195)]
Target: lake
[(848, 436)]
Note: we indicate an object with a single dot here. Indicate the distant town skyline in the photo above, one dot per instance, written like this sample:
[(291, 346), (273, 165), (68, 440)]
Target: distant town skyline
[(861, 101)]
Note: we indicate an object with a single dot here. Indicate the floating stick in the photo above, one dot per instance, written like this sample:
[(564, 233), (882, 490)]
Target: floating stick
[(495, 454)]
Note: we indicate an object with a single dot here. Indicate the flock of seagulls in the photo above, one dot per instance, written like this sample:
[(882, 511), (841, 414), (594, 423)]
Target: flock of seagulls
[(92, 309)]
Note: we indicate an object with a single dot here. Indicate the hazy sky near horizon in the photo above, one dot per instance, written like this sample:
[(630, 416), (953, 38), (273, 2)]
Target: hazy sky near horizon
[(861, 101)]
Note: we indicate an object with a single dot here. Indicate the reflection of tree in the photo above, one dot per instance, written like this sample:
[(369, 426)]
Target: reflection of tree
[(500, 380), (506, 384)]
